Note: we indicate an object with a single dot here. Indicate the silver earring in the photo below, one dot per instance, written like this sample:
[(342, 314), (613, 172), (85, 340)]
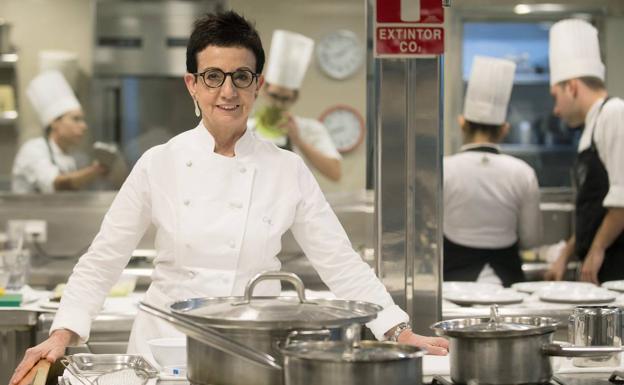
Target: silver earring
[(197, 111)]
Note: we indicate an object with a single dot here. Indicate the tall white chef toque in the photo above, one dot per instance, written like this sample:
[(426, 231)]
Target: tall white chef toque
[(288, 59), (574, 51), (489, 90), (65, 62), (51, 96)]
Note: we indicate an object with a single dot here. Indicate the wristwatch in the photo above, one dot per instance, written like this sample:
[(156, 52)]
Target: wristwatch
[(400, 328)]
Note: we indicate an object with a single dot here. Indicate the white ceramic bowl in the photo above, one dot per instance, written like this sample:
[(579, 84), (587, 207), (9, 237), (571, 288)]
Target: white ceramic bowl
[(169, 351)]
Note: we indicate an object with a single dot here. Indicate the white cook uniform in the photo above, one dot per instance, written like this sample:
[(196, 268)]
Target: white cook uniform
[(609, 139), (311, 131), (219, 221), (37, 163), (491, 201)]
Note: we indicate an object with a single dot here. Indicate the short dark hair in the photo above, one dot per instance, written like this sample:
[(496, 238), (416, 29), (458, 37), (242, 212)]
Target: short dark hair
[(592, 82), (223, 29), (491, 130)]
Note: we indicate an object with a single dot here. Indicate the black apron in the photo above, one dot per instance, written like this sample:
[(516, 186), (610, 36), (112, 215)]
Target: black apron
[(463, 263), (592, 184)]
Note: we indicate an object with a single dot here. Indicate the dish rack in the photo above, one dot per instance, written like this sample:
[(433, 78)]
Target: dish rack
[(108, 369)]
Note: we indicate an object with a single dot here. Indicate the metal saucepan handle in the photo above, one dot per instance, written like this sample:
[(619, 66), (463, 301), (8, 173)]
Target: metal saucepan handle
[(213, 338), (271, 275), (579, 351), (307, 335)]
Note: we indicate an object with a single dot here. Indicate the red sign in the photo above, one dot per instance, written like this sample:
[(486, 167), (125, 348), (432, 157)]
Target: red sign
[(409, 41), (410, 11)]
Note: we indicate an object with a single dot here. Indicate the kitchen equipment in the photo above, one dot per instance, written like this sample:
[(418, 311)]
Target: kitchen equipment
[(38, 374), (506, 349), (5, 32), (104, 369), (614, 285), (500, 296), (168, 352), (352, 362), (225, 334), (577, 295), (596, 326)]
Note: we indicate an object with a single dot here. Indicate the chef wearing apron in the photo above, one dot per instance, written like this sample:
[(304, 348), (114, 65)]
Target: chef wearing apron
[(491, 200), (287, 65), (44, 164), (577, 85)]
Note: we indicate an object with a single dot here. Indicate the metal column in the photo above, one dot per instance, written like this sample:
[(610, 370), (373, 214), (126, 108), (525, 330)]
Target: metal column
[(406, 101)]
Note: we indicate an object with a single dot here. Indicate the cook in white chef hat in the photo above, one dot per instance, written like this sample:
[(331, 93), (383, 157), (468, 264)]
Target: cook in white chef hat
[(574, 51), (51, 96), (289, 58), (489, 90)]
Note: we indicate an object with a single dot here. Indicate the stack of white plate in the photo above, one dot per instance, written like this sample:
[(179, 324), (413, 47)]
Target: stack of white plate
[(477, 293)]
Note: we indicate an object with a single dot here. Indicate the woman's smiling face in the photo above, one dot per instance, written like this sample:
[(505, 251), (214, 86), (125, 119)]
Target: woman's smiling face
[(224, 108)]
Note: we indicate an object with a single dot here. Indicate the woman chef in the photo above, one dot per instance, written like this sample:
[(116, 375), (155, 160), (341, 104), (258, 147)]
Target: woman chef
[(220, 200), (491, 200), (44, 164)]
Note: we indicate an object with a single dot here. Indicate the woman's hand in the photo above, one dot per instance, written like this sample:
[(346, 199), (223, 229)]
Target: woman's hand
[(51, 349), (437, 346)]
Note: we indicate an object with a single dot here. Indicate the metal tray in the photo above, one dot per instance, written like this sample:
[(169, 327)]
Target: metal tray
[(86, 364)]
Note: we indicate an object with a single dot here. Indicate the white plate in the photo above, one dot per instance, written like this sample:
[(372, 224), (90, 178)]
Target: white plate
[(461, 286), (502, 297), (614, 285), (54, 305), (583, 295), (531, 287)]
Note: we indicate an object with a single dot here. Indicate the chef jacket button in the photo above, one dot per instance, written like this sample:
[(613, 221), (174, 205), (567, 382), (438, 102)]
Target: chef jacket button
[(236, 205), (189, 163), (242, 170), (191, 274), (232, 244), (187, 202)]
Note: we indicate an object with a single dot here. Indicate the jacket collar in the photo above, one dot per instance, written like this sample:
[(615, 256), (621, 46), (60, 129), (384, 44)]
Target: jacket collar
[(242, 148), (481, 147)]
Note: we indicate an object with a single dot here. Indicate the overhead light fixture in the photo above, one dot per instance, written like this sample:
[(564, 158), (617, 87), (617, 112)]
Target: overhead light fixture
[(524, 9)]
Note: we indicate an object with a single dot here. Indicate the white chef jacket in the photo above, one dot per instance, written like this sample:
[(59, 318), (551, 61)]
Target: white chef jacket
[(490, 200), (219, 221), (609, 139), (37, 165), (311, 131)]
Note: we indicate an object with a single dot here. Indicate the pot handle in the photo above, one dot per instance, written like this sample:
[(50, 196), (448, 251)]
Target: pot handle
[(270, 275), (579, 351), (213, 338), (307, 335)]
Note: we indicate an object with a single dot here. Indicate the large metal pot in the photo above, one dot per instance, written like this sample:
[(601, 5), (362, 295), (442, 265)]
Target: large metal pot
[(358, 362), (506, 350), (258, 325)]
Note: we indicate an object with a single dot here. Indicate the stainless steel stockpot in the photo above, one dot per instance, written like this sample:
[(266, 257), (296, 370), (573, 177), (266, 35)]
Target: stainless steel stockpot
[(222, 331), (596, 326), (334, 362), (506, 350)]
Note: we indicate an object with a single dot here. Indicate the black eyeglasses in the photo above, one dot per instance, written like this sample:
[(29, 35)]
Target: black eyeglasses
[(214, 77)]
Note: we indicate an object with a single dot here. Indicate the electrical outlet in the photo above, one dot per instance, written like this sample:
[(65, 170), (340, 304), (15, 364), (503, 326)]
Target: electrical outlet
[(34, 230)]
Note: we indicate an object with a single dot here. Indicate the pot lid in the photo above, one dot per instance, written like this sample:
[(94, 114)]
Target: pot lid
[(495, 326), (275, 312), (365, 351)]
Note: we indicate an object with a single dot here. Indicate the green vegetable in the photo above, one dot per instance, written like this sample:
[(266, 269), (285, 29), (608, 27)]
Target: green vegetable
[(268, 120)]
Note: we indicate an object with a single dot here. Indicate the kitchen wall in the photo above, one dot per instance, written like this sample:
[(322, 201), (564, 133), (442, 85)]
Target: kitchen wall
[(68, 25)]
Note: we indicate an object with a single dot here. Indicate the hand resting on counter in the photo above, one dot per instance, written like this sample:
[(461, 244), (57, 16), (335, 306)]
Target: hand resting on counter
[(437, 346), (51, 349)]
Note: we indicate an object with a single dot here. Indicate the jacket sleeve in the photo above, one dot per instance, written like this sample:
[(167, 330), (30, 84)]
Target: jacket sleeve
[(322, 238), (530, 219), (612, 120), (99, 268)]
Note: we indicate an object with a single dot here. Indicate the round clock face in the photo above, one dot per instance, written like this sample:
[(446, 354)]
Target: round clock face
[(345, 126), (340, 54)]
